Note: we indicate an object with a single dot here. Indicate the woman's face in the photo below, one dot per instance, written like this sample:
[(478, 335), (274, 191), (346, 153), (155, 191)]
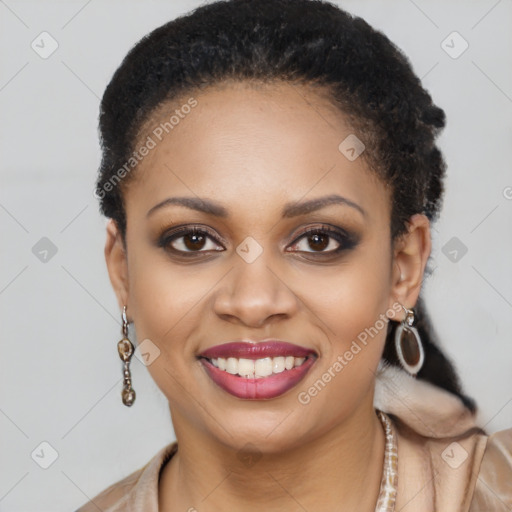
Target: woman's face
[(262, 157)]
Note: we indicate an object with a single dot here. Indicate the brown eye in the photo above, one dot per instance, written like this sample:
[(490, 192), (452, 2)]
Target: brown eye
[(323, 240), (318, 241), (194, 241), (189, 240)]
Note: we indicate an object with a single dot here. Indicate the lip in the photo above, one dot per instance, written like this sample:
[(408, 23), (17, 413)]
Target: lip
[(262, 388), (256, 350)]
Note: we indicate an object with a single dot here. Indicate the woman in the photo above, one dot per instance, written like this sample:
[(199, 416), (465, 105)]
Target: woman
[(270, 174)]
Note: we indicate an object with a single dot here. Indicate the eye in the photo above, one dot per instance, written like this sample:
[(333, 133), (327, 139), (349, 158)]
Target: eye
[(323, 240), (189, 240)]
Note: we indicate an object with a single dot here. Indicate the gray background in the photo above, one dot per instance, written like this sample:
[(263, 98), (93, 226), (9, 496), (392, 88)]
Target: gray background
[(60, 374)]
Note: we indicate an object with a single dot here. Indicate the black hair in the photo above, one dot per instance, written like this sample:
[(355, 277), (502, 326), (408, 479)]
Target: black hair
[(309, 42)]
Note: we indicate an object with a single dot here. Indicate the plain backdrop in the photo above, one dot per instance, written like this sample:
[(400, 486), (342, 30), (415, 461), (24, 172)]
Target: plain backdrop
[(59, 321)]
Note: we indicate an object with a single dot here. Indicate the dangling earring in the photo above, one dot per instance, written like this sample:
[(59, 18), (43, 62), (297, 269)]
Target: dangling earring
[(125, 349), (409, 348)]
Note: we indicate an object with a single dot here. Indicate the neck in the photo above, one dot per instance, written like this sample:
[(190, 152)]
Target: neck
[(341, 467)]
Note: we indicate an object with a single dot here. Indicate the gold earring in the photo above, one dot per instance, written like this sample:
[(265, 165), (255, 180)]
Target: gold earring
[(125, 349)]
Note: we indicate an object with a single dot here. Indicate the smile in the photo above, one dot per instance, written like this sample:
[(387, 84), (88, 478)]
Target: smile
[(279, 367), (257, 368)]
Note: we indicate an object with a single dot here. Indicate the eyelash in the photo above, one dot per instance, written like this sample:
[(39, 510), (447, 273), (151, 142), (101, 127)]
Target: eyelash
[(345, 240)]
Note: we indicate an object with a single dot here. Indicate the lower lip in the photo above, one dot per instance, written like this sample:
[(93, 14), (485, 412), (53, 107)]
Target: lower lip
[(258, 389)]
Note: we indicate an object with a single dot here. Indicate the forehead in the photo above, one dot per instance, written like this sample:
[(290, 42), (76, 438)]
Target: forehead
[(252, 145)]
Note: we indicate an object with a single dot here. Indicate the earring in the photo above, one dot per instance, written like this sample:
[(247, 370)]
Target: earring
[(125, 349), (408, 345)]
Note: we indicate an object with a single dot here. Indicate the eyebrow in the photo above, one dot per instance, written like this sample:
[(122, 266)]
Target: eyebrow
[(293, 209)]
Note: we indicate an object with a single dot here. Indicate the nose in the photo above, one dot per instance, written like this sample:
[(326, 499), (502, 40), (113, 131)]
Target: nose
[(254, 294)]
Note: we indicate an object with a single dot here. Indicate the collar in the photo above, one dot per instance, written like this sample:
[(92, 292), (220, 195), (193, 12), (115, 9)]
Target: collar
[(427, 409)]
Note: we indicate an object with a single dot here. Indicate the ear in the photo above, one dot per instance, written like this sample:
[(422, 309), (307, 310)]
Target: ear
[(117, 263), (410, 255)]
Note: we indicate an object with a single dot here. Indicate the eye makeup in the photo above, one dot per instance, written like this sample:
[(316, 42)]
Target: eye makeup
[(197, 241)]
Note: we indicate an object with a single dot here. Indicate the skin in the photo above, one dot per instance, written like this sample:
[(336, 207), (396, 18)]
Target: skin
[(254, 149)]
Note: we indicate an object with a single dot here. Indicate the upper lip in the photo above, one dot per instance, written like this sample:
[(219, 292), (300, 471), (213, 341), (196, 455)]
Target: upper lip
[(249, 349)]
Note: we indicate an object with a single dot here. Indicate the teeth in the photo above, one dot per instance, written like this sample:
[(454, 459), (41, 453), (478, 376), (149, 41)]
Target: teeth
[(278, 365), (232, 365), (256, 368), (263, 367), (245, 367)]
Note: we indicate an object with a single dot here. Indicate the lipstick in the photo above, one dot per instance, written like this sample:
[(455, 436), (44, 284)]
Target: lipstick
[(257, 370)]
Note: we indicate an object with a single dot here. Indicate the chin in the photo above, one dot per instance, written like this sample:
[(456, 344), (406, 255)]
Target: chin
[(263, 431)]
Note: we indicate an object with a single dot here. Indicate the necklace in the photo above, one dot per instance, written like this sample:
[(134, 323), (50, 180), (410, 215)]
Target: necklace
[(388, 484)]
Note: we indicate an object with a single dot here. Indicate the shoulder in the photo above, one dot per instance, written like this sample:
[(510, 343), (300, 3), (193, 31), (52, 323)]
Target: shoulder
[(438, 473), (137, 491), (470, 472), (445, 460), (493, 490)]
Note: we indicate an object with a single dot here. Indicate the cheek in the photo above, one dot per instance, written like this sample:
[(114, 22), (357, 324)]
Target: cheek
[(166, 303), (361, 305), (351, 299), (352, 315), (166, 300), (354, 320), (163, 296)]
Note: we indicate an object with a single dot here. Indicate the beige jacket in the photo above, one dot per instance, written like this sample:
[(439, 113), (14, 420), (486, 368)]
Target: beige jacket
[(446, 463)]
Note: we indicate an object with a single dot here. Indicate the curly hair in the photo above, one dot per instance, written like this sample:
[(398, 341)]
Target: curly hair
[(308, 42)]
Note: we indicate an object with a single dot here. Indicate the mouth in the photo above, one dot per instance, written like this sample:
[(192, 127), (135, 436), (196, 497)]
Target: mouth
[(256, 371)]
